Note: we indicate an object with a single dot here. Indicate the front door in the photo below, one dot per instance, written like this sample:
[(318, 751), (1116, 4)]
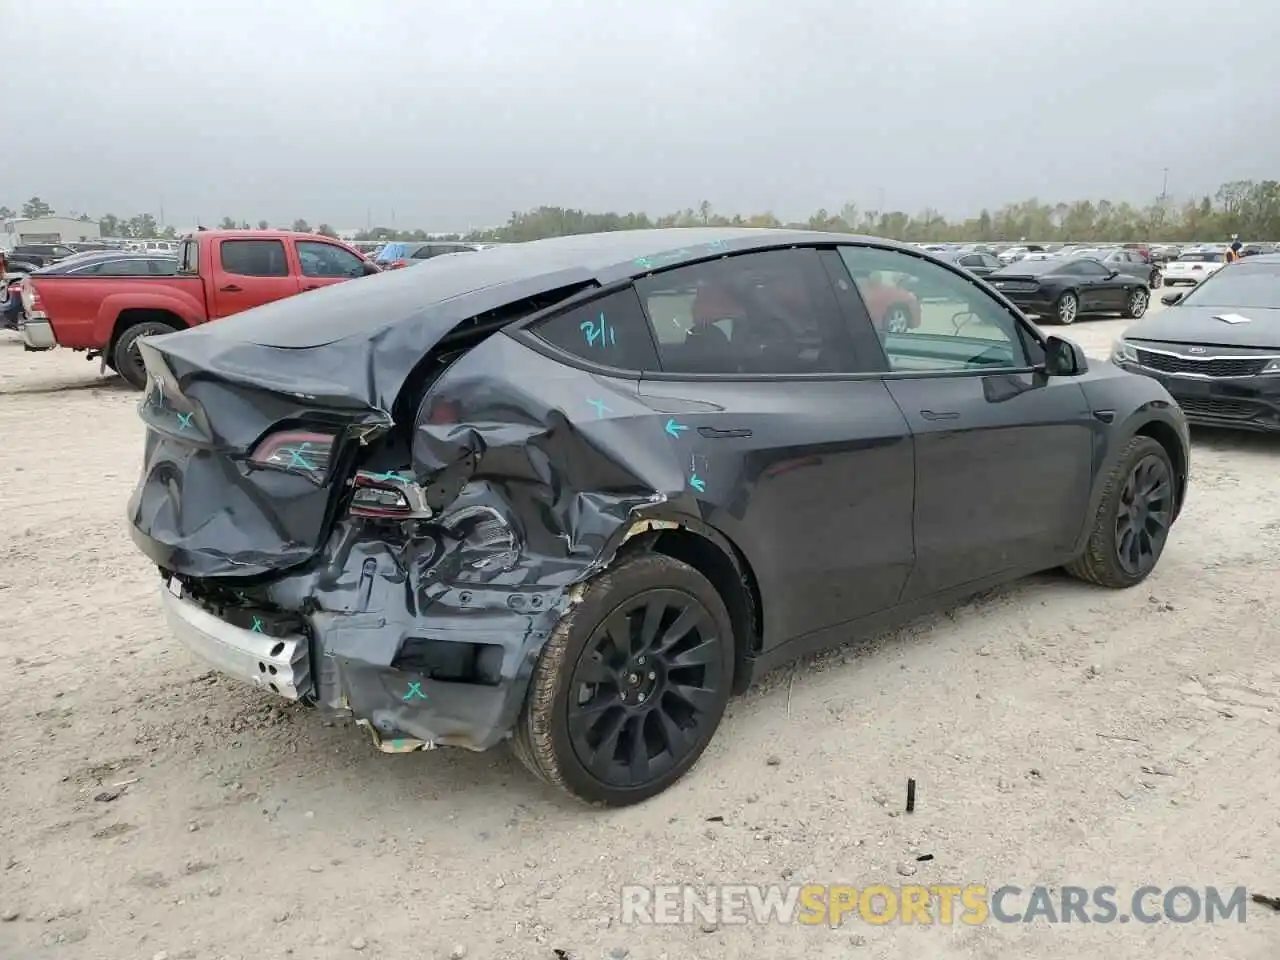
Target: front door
[(1003, 452), (249, 273)]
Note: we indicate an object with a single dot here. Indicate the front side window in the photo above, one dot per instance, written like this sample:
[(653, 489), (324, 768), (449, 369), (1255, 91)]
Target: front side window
[(1084, 268), (754, 314), (325, 260), (255, 258), (931, 319), (611, 331)]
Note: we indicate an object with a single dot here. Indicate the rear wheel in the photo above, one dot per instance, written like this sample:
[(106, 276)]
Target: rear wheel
[(1136, 304), (1133, 519), (1068, 308), (631, 686), (126, 359)]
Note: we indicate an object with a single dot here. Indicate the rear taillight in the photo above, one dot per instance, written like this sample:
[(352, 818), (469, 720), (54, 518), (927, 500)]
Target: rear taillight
[(30, 299), (388, 496), (296, 451), (397, 264)]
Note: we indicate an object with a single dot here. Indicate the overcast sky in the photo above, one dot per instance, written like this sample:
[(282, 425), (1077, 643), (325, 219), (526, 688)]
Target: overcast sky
[(448, 115)]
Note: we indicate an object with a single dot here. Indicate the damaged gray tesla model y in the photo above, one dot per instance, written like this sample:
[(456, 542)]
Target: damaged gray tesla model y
[(574, 493)]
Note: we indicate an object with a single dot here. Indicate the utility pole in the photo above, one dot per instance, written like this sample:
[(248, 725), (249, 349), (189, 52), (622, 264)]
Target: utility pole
[(1164, 186)]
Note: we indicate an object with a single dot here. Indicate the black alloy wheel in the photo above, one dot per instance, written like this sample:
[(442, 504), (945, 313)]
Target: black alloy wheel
[(646, 682), (630, 688), (1145, 515), (1134, 515)]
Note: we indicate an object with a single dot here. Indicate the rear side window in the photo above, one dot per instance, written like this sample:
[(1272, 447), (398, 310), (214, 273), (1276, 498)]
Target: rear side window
[(611, 331), (756, 314), (189, 257), (165, 267), (122, 268), (254, 258)]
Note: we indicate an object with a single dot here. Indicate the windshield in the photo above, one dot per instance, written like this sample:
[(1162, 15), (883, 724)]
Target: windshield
[(1198, 257), (393, 251), (1248, 285)]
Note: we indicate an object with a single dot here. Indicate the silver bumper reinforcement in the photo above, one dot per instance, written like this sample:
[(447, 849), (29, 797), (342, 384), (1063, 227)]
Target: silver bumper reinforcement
[(280, 664)]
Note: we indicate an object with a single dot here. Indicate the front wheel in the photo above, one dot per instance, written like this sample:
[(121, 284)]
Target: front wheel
[(631, 686), (126, 358), (1068, 308), (1133, 518), (1136, 303)]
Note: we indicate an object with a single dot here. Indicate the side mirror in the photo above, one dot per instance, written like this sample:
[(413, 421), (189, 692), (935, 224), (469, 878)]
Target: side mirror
[(1169, 299), (1064, 358), (1112, 274), (370, 268)]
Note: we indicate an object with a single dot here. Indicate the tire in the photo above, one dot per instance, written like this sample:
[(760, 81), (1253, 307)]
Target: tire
[(1135, 305), (897, 319), (631, 694), (1067, 309), (1101, 562), (125, 358)]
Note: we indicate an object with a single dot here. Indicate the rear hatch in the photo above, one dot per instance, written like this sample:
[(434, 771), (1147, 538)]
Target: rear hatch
[(255, 422)]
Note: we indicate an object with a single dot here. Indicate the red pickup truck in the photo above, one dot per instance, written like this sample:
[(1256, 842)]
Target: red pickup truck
[(220, 272)]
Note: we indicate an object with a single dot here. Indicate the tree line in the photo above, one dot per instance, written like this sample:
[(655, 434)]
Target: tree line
[(1249, 208)]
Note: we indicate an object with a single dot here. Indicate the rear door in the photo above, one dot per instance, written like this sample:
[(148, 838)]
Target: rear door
[(248, 273), (322, 264), (805, 465), (1003, 454)]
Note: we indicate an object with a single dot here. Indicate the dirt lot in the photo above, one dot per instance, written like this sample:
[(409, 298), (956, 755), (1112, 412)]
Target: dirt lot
[(1059, 735)]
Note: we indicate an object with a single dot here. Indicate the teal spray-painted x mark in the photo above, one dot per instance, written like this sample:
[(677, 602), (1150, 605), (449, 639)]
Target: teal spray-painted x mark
[(257, 626), (415, 692), (184, 420), (296, 458)]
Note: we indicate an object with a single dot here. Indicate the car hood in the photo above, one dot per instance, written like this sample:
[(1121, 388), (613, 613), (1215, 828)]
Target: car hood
[(1200, 325)]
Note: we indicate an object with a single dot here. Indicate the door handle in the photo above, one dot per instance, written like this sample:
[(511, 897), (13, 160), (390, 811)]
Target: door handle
[(230, 288), (714, 433), (940, 414), (314, 286)]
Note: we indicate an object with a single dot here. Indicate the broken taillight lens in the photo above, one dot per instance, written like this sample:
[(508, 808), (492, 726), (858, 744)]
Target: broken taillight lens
[(370, 500), (296, 451)]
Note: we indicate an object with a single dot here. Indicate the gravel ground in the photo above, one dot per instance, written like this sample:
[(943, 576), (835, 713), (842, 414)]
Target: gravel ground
[(1059, 734)]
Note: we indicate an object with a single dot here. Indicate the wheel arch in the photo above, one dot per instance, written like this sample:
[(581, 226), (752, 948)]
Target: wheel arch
[(1167, 436), (718, 559), (133, 316)]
